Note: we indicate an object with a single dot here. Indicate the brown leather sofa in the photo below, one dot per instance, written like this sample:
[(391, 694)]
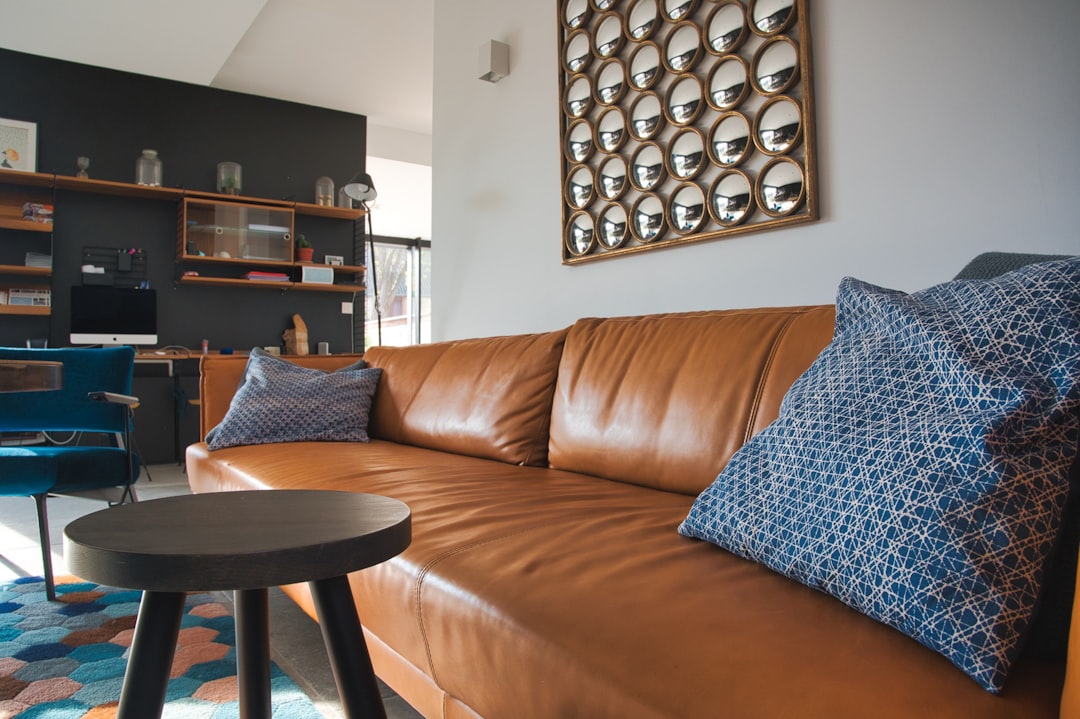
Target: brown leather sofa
[(547, 475)]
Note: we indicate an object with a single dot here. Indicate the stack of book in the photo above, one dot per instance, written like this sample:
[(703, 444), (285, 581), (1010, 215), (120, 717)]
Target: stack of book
[(267, 276), (37, 212)]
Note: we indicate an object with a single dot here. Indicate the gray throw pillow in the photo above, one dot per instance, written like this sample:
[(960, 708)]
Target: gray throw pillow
[(279, 401)]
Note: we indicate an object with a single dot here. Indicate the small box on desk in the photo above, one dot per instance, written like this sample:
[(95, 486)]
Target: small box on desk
[(317, 274)]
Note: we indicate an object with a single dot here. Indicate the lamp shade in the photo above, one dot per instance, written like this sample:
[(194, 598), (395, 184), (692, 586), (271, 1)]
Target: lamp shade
[(360, 188)]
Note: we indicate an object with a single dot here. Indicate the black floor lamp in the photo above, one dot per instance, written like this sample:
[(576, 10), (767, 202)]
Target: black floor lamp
[(361, 189)]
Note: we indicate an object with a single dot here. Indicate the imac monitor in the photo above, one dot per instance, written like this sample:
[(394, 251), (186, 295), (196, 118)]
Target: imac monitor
[(103, 315)]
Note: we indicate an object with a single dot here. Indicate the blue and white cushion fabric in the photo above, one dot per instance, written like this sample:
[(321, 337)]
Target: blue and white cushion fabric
[(919, 468), (279, 401)]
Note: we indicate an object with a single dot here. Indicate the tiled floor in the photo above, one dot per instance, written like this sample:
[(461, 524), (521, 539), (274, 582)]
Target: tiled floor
[(295, 641)]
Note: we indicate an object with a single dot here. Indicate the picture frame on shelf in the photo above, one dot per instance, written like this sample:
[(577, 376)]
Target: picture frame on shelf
[(336, 260), (18, 145)]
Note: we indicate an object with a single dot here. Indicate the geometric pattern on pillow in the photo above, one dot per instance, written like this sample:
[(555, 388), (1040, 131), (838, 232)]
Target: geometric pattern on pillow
[(279, 401), (918, 469)]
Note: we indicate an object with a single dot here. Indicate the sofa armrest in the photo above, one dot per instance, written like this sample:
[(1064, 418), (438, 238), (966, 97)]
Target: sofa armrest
[(220, 375), (1070, 695)]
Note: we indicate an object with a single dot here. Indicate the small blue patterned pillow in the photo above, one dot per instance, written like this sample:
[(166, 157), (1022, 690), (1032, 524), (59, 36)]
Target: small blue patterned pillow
[(919, 468), (279, 401)]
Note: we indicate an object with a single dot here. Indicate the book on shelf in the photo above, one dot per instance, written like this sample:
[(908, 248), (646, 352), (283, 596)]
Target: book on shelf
[(267, 276), (37, 212)]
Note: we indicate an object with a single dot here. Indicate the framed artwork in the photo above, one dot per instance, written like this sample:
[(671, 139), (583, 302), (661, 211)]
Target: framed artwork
[(336, 260), (18, 145)]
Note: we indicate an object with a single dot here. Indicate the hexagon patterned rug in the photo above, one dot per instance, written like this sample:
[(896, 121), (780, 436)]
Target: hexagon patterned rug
[(66, 659)]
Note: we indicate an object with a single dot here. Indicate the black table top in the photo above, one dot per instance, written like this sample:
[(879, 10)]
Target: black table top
[(236, 540)]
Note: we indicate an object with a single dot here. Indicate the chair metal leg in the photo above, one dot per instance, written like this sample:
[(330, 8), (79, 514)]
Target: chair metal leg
[(46, 547)]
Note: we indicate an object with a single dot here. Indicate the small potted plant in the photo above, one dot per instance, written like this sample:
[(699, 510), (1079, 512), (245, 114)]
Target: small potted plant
[(304, 250)]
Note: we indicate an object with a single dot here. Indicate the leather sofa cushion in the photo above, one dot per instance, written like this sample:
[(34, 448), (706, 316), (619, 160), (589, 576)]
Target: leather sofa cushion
[(520, 579), (665, 400), (488, 397)]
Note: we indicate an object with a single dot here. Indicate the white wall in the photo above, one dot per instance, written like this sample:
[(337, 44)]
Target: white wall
[(944, 129), (402, 207)]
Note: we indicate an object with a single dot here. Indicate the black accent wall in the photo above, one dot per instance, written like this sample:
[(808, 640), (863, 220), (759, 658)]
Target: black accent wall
[(111, 116)]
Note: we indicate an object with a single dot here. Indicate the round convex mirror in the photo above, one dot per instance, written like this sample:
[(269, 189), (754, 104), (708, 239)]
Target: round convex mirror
[(647, 218), (682, 48), (776, 66), (729, 140), (610, 82), (676, 10), (579, 234), (612, 228), (642, 20), (575, 13), (647, 167), (731, 199), (611, 180), (577, 54), (686, 154), (645, 66), (611, 130), (768, 17), (578, 98), (780, 187), (684, 100), (579, 143), (579, 187), (728, 83), (725, 30), (778, 126), (608, 39), (646, 116), (686, 209)]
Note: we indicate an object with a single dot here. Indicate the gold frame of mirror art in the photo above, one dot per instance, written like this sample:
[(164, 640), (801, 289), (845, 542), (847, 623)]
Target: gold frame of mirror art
[(693, 119)]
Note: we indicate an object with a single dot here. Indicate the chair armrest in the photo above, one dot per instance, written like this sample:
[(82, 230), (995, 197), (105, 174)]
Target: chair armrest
[(114, 398)]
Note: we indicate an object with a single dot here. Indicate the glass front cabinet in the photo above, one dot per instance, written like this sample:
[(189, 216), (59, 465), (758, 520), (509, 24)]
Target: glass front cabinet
[(237, 232)]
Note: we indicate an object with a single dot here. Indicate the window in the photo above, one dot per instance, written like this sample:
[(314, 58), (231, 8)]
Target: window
[(402, 274)]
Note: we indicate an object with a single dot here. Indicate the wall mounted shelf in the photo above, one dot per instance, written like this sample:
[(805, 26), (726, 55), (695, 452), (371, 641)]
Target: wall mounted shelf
[(24, 270), (9, 223), (11, 218), (24, 310), (283, 286), (129, 189)]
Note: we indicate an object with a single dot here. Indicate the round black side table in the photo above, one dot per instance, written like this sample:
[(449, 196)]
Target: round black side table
[(245, 542)]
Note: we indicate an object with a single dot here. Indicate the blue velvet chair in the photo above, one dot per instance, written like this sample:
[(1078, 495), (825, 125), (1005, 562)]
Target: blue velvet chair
[(95, 400)]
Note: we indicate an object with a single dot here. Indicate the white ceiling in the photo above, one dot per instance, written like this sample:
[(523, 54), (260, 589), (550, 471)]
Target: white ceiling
[(371, 57)]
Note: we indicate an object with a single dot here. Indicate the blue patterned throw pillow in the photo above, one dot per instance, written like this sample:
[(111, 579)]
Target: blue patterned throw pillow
[(279, 401), (918, 469)]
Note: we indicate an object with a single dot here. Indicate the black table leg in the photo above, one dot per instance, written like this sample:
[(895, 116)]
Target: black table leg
[(345, 645), (150, 659), (253, 652)]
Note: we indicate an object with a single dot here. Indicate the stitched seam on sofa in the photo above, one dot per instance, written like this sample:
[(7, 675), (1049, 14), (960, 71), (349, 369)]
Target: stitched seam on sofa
[(755, 407), (426, 569)]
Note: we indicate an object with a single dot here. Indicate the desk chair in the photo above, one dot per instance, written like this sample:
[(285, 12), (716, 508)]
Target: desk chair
[(95, 398)]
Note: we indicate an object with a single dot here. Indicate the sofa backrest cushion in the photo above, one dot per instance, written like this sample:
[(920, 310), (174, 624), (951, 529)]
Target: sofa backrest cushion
[(488, 397), (664, 401)]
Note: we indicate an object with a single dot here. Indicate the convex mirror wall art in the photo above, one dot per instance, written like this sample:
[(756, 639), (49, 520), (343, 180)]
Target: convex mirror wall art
[(682, 121)]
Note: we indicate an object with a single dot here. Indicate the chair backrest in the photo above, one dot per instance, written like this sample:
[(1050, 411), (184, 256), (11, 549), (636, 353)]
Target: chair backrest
[(70, 409)]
